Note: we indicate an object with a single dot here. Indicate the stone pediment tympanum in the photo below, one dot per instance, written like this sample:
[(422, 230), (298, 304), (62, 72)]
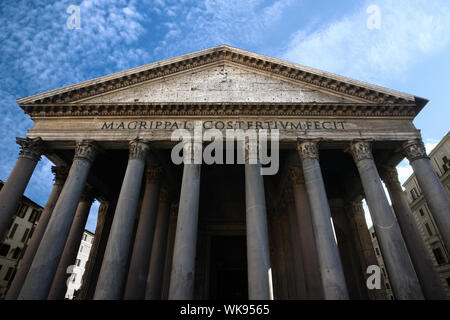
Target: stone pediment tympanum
[(225, 77)]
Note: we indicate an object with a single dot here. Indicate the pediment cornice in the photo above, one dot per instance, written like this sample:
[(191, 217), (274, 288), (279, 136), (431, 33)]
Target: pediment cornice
[(365, 93)]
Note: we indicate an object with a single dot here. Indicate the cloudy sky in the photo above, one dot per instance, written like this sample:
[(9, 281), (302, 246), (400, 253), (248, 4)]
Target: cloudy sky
[(402, 44)]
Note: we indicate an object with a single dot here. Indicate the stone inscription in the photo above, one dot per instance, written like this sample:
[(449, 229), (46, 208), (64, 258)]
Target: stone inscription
[(221, 125)]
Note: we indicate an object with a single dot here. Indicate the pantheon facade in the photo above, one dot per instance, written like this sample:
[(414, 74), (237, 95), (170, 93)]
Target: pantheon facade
[(225, 231)]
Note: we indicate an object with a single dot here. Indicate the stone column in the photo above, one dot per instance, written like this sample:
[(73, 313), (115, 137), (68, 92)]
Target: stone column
[(59, 286), (401, 272), (142, 248), (184, 252), (155, 276), (111, 281), (333, 280), (365, 241), (14, 187), (25, 263), (39, 279), (307, 242), (258, 252), (420, 256), (431, 186)]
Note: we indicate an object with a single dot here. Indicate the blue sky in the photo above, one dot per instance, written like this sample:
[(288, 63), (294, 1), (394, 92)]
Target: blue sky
[(409, 52)]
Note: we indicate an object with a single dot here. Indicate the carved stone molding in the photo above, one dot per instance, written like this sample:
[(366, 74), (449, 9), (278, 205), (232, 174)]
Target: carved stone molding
[(60, 174), (414, 150), (138, 149), (390, 176), (31, 148), (361, 150), (86, 149), (308, 149), (220, 109), (154, 174), (296, 175)]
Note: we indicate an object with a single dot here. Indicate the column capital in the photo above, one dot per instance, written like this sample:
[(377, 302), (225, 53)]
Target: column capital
[(361, 150), (308, 149), (86, 149), (296, 175), (138, 149), (31, 148), (88, 194), (153, 174), (414, 149), (60, 173), (390, 176)]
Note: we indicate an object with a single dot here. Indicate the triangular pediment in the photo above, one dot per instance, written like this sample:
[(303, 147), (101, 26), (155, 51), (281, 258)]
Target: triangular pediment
[(221, 74), (219, 83)]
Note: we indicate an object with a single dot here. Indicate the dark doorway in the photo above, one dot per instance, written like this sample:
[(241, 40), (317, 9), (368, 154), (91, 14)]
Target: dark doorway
[(228, 273)]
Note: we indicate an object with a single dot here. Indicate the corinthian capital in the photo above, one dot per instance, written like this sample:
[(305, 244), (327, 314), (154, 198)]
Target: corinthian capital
[(296, 175), (138, 149), (414, 149), (390, 176), (154, 174), (60, 173), (31, 148), (86, 149), (361, 150), (308, 149)]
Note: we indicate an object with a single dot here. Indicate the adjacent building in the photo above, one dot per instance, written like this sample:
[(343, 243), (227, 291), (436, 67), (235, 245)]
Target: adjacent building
[(75, 280), (15, 242), (440, 160)]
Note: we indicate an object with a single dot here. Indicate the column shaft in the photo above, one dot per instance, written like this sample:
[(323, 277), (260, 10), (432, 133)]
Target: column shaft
[(401, 272), (33, 245), (333, 280), (59, 286), (156, 271), (13, 189), (258, 254), (420, 256), (432, 188), (39, 279), (111, 281), (142, 248)]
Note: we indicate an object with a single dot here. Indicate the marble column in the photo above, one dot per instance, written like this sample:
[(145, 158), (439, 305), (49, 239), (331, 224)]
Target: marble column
[(14, 187), (432, 188), (155, 276), (59, 286), (420, 256), (183, 262), (365, 242), (142, 248), (333, 280), (39, 279), (258, 252), (308, 246), (111, 281), (401, 272), (25, 263)]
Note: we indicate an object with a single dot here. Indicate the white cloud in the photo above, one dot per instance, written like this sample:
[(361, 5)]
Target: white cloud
[(410, 30)]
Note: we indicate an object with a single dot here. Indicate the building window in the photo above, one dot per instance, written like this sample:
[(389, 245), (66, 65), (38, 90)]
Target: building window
[(448, 281), (81, 248), (4, 249), (13, 230), (373, 235), (8, 274), (77, 262), (439, 255), (430, 233), (421, 212), (388, 286), (74, 277), (25, 235), (16, 253), (85, 237), (22, 211), (33, 216), (377, 251), (446, 165)]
